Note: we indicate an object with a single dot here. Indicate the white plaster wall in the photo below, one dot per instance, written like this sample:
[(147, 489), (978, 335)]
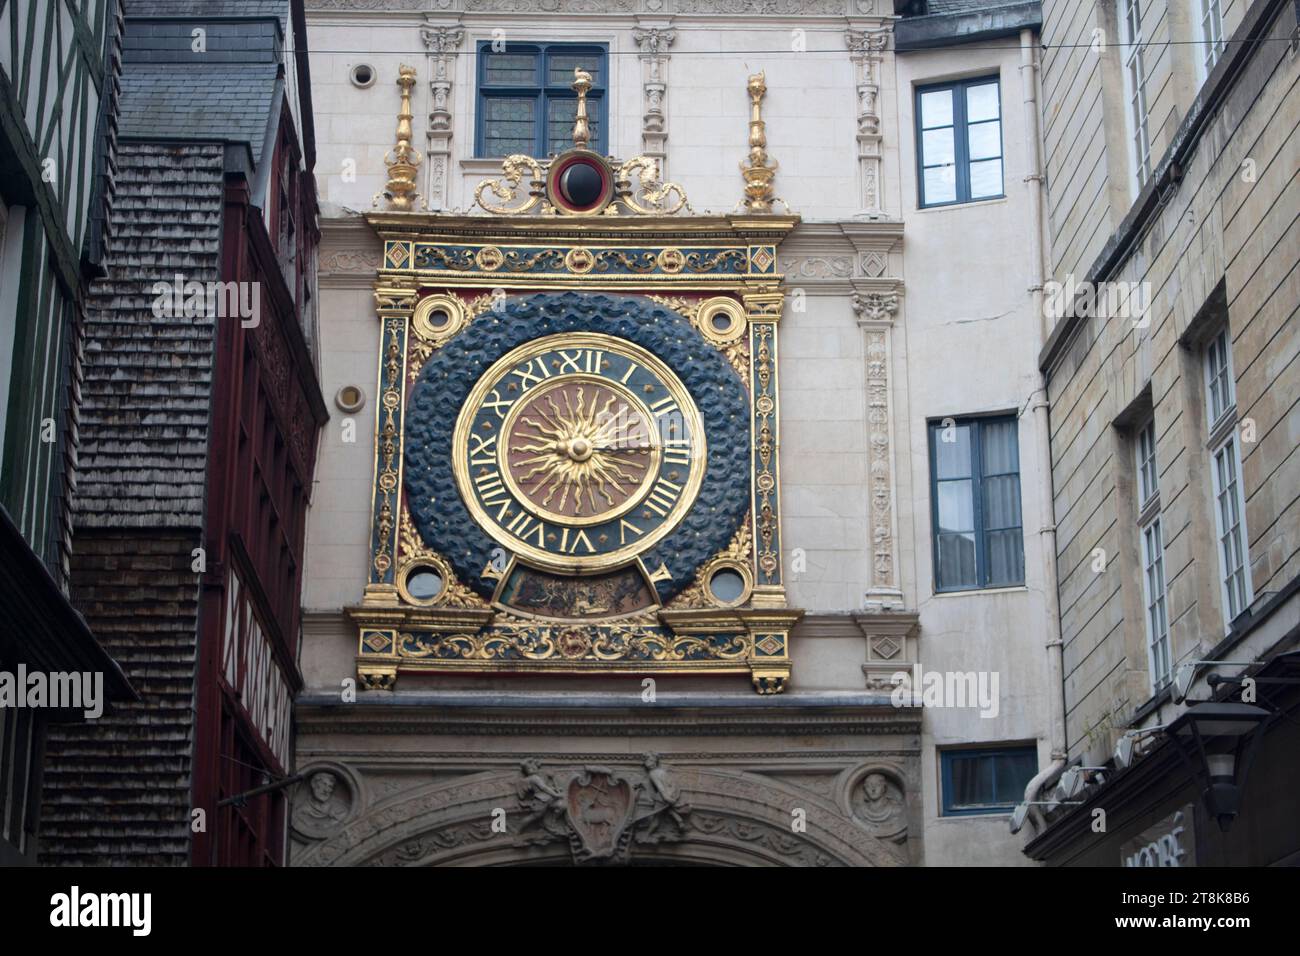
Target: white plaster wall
[(810, 107), (338, 525), (972, 339)]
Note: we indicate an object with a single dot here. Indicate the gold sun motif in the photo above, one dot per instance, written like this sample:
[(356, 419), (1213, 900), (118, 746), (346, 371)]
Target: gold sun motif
[(580, 449)]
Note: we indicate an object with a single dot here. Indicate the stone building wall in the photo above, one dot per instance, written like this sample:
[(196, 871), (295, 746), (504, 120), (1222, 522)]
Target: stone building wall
[(1220, 246)]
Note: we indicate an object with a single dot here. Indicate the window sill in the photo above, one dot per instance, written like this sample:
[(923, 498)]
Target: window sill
[(967, 592), (948, 207)]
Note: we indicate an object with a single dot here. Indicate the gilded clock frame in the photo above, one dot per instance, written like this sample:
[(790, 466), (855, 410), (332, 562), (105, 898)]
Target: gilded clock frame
[(691, 264), (591, 340)]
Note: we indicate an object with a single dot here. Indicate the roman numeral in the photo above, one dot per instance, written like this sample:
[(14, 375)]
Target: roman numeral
[(525, 526), (665, 406), (663, 496), (579, 538), (677, 451), (498, 404), (493, 493), (624, 526), (581, 360), (631, 367), (482, 450), (527, 378)]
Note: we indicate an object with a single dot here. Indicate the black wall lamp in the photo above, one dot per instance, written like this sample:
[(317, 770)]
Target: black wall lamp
[(1218, 741)]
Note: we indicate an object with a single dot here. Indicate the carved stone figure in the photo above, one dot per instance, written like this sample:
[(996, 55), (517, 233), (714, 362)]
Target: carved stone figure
[(879, 805), (660, 798), (325, 808), (539, 795)]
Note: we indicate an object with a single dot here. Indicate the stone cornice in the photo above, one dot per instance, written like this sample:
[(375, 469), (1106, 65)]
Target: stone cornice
[(350, 252), (837, 258)]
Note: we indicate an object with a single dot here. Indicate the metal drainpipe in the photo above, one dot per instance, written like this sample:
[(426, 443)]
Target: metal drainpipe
[(1042, 430)]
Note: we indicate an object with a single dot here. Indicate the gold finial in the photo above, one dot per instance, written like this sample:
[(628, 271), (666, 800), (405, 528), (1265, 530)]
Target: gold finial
[(759, 171), (403, 160), (581, 128)]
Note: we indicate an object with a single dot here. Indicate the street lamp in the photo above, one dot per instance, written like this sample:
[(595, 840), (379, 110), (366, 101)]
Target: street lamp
[(1218, 740)]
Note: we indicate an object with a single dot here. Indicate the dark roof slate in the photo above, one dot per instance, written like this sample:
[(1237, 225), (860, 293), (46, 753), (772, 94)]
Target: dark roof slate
[(221, 93), (216, 104)]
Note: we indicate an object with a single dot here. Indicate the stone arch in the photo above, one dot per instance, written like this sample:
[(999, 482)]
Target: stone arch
[(735, 819)]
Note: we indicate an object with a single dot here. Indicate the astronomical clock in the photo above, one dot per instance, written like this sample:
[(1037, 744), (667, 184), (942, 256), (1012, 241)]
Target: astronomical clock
[(576, 462)]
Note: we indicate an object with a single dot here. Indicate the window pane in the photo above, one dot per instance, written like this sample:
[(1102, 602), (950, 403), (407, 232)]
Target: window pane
[(559, 122), (937, 147), (511, 69), (1012, 773), (940, 184), (1001, 502), (560, 66), (936, 109), (952, 458), (998, 447), (956, 561), (1005, 558), (507, 125), (986, 178), (985, 140), (956, 511), (972, 781), (982, 102)]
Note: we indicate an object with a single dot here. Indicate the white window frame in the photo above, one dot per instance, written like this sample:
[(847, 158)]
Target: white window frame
[(1234, 578), (1219, 373), (1208, 15), (1151, 535), (1155, 593), (1129, 13), (1236, 590)]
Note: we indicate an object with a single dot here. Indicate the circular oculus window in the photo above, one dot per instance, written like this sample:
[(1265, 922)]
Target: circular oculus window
[(580, 183), (362, 75)]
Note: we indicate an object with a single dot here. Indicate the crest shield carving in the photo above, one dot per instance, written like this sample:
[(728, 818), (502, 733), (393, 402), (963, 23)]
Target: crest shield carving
[(599, 805)]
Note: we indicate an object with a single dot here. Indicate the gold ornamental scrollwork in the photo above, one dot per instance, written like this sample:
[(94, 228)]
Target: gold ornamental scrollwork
[(648, 196), (574, 644), (506, 189)]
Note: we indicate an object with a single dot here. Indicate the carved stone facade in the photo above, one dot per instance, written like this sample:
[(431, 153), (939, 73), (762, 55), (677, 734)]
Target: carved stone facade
[(487, 804), (878, 336)]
